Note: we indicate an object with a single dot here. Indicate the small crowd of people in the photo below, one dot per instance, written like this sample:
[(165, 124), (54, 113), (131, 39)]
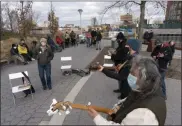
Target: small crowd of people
[(141, 81), (94, 38), (21, 52), (142, 85)]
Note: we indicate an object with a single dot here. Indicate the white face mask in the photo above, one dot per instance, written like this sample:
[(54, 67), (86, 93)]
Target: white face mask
[(132, 81), (15, 47)]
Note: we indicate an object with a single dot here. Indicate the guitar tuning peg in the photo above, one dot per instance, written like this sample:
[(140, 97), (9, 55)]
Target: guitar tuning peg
[(59, 113), (70, 107), (54, 101), (89, 103), (67, 112), (64, 107)]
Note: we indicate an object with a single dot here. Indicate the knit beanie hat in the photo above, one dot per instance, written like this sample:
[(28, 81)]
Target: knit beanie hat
[(43, 40), (134, 44)]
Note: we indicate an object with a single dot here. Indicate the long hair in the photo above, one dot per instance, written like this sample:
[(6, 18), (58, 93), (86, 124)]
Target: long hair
[(149, 80)]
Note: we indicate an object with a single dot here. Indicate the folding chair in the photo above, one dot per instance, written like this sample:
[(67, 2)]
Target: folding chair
[(106, 61), (19, 88), (66, 64)]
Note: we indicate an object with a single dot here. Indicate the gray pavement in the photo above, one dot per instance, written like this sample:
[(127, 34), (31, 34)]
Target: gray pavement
[(32, 112)]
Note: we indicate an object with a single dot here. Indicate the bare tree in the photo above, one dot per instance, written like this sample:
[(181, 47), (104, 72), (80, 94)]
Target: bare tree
[(53, 21), (141, 4)]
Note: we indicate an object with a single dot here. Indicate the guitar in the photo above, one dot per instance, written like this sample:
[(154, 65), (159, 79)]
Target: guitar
[(95, 67), (57, 107)]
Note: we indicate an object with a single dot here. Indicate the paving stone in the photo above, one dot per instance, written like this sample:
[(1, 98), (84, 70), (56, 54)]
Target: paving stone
[(9, 118), (26, 117), (35, 120), (39, 114), (15, 121), (22, 123), (31, 123), (46, 118), (20, 114), (5, 123), (30, 111), (41, 110)]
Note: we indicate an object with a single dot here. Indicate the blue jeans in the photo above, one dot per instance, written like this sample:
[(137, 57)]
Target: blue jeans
[(163, 74), (45, 70), (88, 42)]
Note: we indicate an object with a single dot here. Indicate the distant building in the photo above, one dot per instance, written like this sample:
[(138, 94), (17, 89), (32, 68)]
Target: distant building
[(40, 31), (173, 11), (126, 18)]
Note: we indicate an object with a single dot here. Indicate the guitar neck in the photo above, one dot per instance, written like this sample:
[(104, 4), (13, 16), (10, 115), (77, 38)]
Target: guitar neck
[(97, 108)]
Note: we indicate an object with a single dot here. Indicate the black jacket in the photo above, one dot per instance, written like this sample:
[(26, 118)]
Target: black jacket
[(93, 33), (14, 51), (99, 36), (121, 76), (121, 54), (162, 61), (45, 57)]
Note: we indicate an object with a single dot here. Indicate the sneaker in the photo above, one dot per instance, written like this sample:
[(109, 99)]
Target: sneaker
[(96, 49), (116, 91), (99, 48), (50, 88), (32, 59)]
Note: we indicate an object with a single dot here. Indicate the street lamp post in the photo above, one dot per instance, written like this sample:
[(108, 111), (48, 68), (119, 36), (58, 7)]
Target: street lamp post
[(80, 12)]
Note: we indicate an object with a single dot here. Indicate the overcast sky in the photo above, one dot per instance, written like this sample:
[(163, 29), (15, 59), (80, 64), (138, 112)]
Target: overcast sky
[(68, 12)]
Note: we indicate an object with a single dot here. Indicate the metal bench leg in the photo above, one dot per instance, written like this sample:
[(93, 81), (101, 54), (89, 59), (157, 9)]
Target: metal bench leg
[(14, 99), (31, 94)]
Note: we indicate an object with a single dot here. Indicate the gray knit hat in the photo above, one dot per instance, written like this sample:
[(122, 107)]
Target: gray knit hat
[(134, 44), (43, 40)]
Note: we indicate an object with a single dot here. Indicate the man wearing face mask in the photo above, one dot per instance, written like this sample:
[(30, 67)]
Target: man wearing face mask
[(121, 53), (122, 73), (44, 56), (145, 104)]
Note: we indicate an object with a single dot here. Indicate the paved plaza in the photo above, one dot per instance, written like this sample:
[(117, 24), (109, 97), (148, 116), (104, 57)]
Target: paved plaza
[(97, 90)]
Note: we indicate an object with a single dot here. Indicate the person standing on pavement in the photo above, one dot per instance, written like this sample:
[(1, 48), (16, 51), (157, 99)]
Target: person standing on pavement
[(88, 36), (67, 39), (98, 40), (120, 56), (162, 54), (144, 105), (122, 73), (44, 57), (172, 45)]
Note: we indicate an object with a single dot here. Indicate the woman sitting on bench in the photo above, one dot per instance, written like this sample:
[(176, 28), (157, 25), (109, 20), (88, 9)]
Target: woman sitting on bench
[(15, 55)]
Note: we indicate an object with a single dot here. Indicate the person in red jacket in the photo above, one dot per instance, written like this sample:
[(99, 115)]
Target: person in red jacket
[(60, 42)]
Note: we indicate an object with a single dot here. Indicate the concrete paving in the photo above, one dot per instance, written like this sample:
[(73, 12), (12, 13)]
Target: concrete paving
[(32, 112)]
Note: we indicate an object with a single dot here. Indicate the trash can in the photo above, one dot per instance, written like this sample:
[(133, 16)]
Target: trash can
[(114, 43)]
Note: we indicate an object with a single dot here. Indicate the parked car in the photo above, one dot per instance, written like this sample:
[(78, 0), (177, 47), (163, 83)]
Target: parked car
[(82, 39)]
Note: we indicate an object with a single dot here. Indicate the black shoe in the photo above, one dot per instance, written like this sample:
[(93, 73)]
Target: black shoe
[(25, 63), (26, 95), (116, 91), (99, 48), (44, 88), (96, 49), (50, 88)]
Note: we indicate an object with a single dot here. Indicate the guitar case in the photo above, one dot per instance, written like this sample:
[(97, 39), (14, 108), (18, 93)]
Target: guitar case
[(81, 72)]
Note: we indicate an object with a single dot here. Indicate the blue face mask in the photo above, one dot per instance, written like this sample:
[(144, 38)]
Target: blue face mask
[(132, 81)]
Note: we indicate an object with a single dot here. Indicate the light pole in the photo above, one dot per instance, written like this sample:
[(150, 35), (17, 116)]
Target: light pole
[(80, 12)]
